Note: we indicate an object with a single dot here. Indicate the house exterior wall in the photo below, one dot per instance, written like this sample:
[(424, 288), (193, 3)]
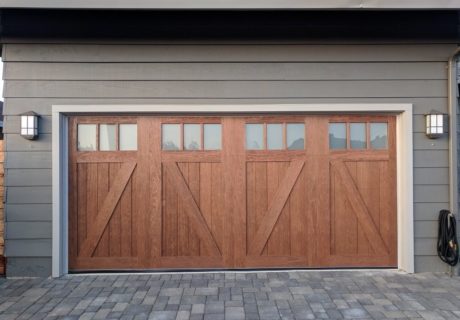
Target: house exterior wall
[(38, 76)]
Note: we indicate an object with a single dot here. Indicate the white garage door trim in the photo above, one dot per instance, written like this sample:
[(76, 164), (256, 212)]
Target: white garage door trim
[(404, 161)]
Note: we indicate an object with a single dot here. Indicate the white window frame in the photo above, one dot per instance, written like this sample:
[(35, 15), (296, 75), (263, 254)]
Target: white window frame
[(404, 155)]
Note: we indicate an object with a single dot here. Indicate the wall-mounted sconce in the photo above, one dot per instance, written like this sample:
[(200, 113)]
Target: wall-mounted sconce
[(435, 124), (29, 125)]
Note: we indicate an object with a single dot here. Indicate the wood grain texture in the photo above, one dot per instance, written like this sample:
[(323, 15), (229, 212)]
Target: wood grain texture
[(276, 206), (191, 208), (108, 205)]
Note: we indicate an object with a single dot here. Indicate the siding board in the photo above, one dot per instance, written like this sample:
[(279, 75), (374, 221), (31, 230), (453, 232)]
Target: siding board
[(28, 177), (225, 71), (428, 211), (430, 264), (28, 230), (28, 160), (225, 89), (225, 53), (431, 193), (28, 248), (431, 158), (430, 176), (28, 212), (36, 194), (15, 142)]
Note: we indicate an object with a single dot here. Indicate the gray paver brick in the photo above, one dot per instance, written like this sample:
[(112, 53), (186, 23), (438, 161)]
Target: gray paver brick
[(232, 296)]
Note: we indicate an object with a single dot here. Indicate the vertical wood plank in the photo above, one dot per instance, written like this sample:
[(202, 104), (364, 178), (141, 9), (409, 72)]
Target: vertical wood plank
[(205, 197), (298, 217), (217, 204), (81, 202), (169, 217), (126, 221), (114, 224), (102, 250), (183, 224), (234, 168), (92, 189), (193, 181), (154, 219)]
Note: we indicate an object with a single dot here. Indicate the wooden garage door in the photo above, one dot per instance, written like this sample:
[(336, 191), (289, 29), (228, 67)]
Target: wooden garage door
[(232, 192)]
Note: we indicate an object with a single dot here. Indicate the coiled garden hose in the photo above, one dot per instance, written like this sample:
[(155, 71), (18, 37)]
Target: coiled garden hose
[(447, 238)]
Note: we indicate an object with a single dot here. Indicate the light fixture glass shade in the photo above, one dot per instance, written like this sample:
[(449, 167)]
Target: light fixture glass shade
[(434, 122), (29, 125)]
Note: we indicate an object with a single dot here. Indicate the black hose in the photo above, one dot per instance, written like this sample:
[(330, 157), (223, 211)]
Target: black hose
[(447, 238)]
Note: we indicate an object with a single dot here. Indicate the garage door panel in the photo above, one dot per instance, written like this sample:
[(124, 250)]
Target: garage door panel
[(187, 226), (269, 187), (360, 220), (105, 194)]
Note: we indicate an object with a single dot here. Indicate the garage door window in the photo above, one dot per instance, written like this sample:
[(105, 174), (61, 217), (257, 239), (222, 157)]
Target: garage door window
[(379, 135), (107, 137), (191, 136), (337, 136), (87, 137), (275, 136), (358, 135), (212, 136)]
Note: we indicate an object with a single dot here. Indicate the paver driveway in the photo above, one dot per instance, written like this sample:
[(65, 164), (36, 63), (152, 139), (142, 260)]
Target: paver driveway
[(261, 295)]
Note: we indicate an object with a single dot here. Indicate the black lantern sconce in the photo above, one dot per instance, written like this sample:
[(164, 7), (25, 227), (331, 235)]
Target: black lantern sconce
[(29, 125)]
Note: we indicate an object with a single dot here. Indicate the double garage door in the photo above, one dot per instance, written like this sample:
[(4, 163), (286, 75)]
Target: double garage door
[(231, 192)]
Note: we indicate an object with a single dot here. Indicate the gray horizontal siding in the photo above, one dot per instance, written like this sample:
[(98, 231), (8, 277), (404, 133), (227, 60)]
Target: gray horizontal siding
[(27, 160), (431, 193), (35, 194), (16, 106), (225, 71), (225, 89), (431, 176), (14, 142), (20, 266), (28, 248), (430, 264), (28, 177), (225, 53), (428, 211), (29, 212), (41, 75), (27, 230)]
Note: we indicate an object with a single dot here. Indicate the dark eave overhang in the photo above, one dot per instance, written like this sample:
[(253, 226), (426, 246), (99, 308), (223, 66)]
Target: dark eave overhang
[(230, 24)]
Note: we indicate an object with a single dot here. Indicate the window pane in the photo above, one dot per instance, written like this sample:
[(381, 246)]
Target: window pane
[(274, 136), (171, 136), (192, 137), (212, 136), (295, 136), (358, 135), (337, 136), (23, 121), (128, 137), (87, 137), (379, 135), (107, 137), (254, 136)]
